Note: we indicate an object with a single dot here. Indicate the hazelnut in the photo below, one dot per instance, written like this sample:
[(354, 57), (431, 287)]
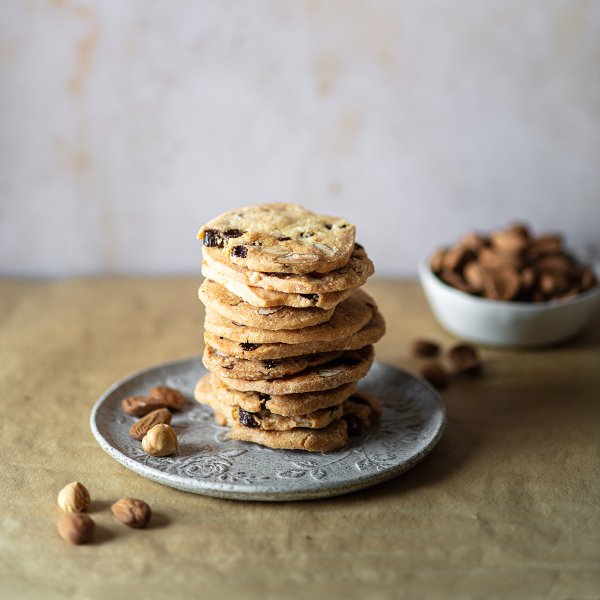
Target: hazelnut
[(76, 528), (161, 440), (73, 498), (132, 512)]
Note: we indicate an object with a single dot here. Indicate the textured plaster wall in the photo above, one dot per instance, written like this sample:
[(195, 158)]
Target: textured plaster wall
[(124, 124)]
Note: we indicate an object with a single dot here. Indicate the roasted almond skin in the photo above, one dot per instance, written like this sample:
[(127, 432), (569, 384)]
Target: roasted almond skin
[(173, 399), (76, 528), (138, 406), (140, 428), (425, 348), (465, 358), (132, 512), (512, 265), (435, 374)]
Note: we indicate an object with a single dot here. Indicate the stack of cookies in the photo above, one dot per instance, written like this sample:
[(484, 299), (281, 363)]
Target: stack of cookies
[(287, 331)]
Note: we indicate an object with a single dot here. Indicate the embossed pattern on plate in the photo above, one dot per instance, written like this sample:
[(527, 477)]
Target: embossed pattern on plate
[(209, 463)]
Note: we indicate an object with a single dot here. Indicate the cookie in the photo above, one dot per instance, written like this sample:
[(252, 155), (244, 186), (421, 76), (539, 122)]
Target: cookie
[(351, 366), (329, 438), (232, 307), (360, 411), (281, 238), (227, 414), (257, 296), (240, 368), (283, 404), (352, 275), (369, 334), (350, 316)]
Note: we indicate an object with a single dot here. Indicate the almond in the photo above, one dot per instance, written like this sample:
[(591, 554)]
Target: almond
[(138, 406), (465, 358), (502, 283), (424, 348), (132, 512), (512, 265), (76, 528), (509, 242), (437, 260), (173, 399), (435, 374), (73, 498), (139, 429)]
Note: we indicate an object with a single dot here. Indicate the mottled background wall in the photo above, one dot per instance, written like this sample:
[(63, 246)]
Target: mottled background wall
[(127, 123)]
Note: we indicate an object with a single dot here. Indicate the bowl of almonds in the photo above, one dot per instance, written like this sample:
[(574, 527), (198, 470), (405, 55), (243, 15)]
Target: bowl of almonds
[(510, 288)]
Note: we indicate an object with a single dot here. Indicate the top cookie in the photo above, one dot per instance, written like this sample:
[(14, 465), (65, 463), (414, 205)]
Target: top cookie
[(279, 238)]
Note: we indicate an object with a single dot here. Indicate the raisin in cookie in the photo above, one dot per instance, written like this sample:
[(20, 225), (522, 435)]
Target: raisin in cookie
[(286, 405), (280, 238), (259, 297), (228, 414), (350, 316), (360, 411), (352, 275), (329, 438), (230, 306), (350, 366), (372, 332), (240, 368)]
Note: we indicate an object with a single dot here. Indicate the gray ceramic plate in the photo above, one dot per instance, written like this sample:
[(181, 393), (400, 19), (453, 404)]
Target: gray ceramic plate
[(208, 463)]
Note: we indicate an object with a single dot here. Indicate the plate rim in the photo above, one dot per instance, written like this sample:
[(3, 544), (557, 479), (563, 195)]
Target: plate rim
[(233, 491)]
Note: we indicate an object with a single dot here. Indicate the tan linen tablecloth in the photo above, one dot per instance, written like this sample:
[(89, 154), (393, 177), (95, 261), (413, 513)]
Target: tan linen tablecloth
[(507, 505)]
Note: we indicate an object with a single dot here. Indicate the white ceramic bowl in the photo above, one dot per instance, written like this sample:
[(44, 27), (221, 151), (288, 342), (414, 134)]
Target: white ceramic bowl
[(499, 323)]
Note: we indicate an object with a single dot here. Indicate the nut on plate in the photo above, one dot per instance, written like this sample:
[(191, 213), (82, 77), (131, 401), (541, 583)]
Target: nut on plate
[(138, 406), (76, 528), (140, 428), (73, 498), (161, 440), (132, 512), (173, 399)]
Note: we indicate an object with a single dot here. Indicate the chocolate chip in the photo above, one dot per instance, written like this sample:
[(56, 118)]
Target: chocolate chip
[(424, 348), (343, 225), (212, 238), (233, 233), (357, 246), (328, 226), (314, 298), (355, 425), (247, 419), (248, 347), (263, 397), (284, 238), (270, 364), (306, 234), (239, 251)]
